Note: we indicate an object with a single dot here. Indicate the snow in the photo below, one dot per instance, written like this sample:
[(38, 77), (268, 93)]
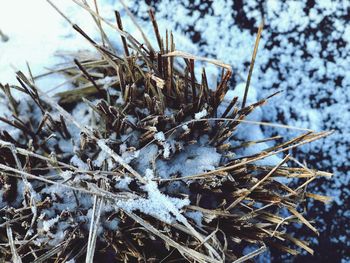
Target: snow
[(159, 136), (156, 204), (148, 154), (128, 156), (102, 156), (201, 114), (153, 206), (196, 216), (123, 183), (185, 127), (112, 224), (66, 175), (49, 223), (77, 162), (197, 158), (32, 40)]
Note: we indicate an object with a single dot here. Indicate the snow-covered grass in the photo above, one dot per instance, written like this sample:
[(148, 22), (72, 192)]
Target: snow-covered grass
[(304, 51), (166, 157)]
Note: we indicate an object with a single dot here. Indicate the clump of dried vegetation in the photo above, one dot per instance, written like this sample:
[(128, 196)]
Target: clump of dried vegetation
[(241, 203)]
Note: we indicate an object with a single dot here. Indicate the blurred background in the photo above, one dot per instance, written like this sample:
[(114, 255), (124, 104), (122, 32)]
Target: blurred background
[(304, 51)]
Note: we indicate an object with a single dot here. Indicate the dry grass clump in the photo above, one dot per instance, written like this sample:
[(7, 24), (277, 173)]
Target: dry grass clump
[(61, 196)]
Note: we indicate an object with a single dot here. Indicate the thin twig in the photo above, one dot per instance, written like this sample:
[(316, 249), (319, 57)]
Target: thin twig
[(251, 67)]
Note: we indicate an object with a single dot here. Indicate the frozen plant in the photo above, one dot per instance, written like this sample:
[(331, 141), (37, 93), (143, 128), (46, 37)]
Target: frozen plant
[(144, 153)]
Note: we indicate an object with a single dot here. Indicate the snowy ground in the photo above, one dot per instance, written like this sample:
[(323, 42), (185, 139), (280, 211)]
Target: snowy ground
[(304, 51)]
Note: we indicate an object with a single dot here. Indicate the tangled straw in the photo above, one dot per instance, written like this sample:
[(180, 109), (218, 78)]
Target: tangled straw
[(91, 170)]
